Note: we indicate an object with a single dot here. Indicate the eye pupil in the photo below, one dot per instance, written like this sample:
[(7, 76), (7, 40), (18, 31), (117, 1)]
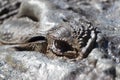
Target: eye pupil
[(63, 46)]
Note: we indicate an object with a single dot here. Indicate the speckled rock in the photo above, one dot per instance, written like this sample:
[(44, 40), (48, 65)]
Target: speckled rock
[(96, 54)]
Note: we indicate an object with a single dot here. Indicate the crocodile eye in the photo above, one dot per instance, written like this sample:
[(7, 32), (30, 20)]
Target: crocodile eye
[(63, 46)]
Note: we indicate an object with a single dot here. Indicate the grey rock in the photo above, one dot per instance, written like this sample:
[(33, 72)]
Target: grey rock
[(96, 54), (104, 64), (46, 13), (8, 8), (118, 71)]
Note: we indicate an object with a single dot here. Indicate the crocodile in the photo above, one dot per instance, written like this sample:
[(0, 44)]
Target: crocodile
[(72, 41), (64, 40)]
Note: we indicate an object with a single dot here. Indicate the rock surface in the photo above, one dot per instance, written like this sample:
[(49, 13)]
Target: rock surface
[(102, 63)]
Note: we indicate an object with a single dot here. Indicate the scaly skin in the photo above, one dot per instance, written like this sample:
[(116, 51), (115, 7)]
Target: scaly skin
[(72, 42)]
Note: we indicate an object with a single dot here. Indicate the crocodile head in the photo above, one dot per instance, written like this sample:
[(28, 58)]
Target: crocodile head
[(72, 42)]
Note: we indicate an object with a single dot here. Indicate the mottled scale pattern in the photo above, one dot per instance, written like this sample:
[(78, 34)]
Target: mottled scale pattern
[(73, 40)]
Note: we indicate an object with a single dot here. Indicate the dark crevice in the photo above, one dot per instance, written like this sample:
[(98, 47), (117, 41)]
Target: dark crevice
[(33, 18), (10, 9), (111, 71), (21, 49), (4, 11), (37, 38)]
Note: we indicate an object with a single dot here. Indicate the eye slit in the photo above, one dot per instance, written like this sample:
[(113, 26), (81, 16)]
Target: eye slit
[(63, 46), (37, 38)]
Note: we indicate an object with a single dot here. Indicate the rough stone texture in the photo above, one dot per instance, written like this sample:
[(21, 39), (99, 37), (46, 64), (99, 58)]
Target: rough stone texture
[(8, 8), (102, 62)]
